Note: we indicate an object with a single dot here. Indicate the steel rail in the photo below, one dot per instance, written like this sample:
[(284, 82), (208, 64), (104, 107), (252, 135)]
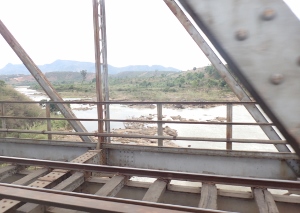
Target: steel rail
[(139, 121), (37, 195), (148, 136), (169, 175)]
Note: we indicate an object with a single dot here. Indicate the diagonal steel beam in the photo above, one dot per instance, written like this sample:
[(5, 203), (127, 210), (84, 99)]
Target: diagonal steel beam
[(253, 49), (232, 83), (42, 80)]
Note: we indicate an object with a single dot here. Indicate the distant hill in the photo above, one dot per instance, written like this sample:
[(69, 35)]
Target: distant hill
[(76, 66), (143, 74)]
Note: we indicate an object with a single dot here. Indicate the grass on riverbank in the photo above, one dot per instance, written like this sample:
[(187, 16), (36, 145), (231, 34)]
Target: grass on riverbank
[(56, 125), (7, 93)]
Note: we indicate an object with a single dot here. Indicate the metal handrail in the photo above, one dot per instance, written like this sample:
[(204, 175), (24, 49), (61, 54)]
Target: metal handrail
[(159, 121), (140, 121), (132, 102), (95, 134)]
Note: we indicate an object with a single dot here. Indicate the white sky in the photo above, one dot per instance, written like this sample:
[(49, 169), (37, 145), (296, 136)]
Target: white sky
[(139, 32)]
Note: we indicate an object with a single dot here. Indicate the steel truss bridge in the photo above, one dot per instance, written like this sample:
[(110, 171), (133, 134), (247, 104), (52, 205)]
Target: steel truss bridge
[(96, 175)]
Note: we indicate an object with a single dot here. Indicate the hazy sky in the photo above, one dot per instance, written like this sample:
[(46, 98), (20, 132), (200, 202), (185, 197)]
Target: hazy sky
[(139, 32)]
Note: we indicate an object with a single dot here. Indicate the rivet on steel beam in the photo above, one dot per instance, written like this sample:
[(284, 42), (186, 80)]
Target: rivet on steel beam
[(268, 14), (241, 35), (276, 78)]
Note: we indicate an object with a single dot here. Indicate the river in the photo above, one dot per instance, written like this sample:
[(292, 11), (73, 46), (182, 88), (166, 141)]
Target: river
[(240, 114)]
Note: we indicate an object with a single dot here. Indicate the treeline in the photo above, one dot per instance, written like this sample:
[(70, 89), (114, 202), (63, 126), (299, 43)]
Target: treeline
[(197, 84), (206, 78)]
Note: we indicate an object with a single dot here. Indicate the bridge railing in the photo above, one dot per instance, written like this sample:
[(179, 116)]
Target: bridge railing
[(159, 122)]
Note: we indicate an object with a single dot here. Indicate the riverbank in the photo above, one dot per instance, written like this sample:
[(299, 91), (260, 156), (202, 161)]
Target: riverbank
[(217, 114)]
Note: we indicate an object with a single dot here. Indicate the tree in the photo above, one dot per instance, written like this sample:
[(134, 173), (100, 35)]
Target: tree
[(211, 70), (83, 75), (2, 83)]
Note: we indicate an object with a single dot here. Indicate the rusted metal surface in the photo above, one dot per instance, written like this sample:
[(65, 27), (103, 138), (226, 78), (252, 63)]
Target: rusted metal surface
[(48, 179), (103, 43), (3, 120), (8, 170), (41, 182), (229, 127), (159, 124), (203, 152), (48, 120), (41, 79), (71, 183), (169, 175), (98, 70), (221, 68), (256, 59), (89, 203), (39, 149), (32, 176)]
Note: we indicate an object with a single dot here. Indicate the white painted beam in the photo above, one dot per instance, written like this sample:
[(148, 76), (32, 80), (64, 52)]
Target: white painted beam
[(265, 201), (112, 187), (209, 194), (155, 191)]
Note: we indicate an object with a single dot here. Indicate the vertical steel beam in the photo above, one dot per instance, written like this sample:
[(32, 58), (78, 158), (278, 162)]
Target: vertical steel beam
[(41, 79), (98, 70), (104, 62), (229, 127), (159, 125), (3, 120), (232, 83), (48, 120)]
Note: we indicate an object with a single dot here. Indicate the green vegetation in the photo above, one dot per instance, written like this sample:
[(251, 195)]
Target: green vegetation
[(198, 84), (83, 75), (7, 93), (202, 84)]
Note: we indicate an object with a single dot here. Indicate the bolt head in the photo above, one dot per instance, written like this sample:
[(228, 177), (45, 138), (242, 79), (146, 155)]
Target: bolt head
[(268, 14), (277, 78), (241, 35)]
